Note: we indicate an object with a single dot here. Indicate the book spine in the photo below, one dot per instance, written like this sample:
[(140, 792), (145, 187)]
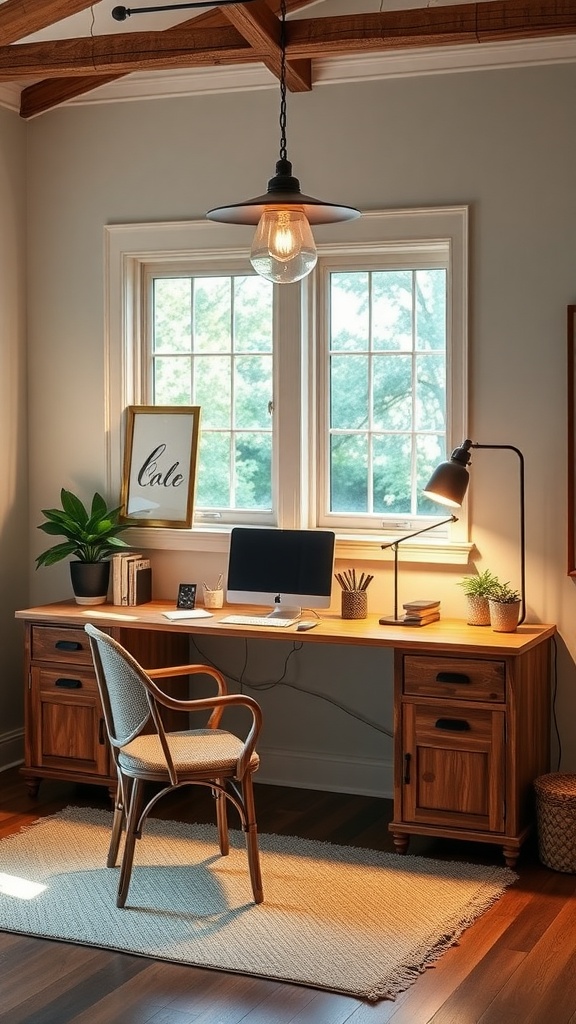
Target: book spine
[(135, 566)]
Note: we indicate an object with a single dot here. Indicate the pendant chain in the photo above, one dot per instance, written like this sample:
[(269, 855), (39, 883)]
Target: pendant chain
[(283, 150)]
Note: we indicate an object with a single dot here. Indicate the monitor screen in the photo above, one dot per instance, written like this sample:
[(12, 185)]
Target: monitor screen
[(285, 569)]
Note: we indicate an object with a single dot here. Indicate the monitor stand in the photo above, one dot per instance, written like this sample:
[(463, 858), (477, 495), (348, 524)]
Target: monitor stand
[(285, 611)]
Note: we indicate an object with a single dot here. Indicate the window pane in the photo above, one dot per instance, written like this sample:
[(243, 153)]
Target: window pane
[(213, 390), (213, 477), (431, 309), (391, 474), (253, 471), (392, 310), (431, 392), (349, 473), (172, 314), (349, 392), (172, 381), (349, 311), (212, 314), (392, 390), (252, 391), (253, 298)]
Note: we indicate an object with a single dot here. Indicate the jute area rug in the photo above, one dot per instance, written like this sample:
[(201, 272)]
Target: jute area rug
[(338, 918)]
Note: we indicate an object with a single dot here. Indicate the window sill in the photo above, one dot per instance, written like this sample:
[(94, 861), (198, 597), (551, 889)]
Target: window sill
[(426, 552)]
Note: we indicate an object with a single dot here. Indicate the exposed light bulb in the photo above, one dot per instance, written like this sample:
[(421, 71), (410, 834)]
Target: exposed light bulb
[(283, 249)]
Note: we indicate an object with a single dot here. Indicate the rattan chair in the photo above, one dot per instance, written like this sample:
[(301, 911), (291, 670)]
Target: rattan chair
[(145, 753)]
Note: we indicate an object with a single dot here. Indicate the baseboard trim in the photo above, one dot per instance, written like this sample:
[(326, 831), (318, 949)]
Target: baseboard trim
[(313, 770), (11, 749)]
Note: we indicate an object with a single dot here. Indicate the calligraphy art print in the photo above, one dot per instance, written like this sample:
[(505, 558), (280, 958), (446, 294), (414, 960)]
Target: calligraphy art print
[(160, 465)]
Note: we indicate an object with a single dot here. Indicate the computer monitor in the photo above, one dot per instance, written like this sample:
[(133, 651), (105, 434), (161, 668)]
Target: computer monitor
[(285, 569)]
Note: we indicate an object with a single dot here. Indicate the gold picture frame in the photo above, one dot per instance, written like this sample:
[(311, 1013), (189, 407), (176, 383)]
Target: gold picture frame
[(160, 458)]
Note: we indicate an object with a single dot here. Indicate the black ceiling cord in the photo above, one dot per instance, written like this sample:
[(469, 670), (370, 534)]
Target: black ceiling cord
[(121, 13)]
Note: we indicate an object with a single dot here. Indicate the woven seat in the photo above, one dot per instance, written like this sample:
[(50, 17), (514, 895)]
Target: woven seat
[(145, 753), (556, 815)]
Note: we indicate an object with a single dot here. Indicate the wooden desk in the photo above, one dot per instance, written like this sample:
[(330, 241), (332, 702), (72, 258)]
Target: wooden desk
[(471, 708)]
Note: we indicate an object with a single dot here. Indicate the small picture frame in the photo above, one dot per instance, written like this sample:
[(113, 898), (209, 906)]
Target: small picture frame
[(160, 459), (186, 595)]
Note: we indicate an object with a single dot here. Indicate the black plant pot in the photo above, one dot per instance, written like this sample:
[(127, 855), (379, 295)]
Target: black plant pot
[(90, 581)]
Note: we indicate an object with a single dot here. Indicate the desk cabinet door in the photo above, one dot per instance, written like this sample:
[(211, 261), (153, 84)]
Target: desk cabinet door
[(67, 722), (453, 771)]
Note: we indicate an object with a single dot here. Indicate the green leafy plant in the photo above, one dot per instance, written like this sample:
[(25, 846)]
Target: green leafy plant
[(505, 594), (482, 585), (90, 535)]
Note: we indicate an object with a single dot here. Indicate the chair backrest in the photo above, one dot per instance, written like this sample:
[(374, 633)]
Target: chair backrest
[(124, 697)]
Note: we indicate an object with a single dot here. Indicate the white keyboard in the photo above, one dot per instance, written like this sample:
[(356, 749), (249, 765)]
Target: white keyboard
[(257, 620)]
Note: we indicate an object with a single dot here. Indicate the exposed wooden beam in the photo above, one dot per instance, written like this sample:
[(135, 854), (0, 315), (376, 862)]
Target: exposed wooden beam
[(261, 29), (42, 96), (320, 37), (106, 57), (19, 18)]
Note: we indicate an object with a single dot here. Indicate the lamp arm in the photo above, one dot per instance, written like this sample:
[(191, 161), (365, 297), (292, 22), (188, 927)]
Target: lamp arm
[(407, 536), (512, 448), (121, 13)]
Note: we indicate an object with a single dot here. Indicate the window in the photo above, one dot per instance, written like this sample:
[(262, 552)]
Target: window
[(209, 342), (383, 423), (326, 403)]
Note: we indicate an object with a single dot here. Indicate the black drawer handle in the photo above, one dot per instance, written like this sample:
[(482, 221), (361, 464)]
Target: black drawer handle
[(68, 645), (69, 684), (453, 724), (456, 678)]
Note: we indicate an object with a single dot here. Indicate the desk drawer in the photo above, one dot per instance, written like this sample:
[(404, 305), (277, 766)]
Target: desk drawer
[(460, 678), (62, 644), (65, 683)]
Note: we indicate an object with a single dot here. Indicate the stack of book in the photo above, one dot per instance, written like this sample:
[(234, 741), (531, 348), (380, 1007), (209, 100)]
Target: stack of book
[(420, 613), (131, 578)]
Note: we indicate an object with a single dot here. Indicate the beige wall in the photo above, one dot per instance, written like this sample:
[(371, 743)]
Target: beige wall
[(14, 560), (502, 142)]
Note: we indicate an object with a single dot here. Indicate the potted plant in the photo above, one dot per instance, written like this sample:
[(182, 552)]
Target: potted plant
[(92, 536), (478, 589), (504, 608)]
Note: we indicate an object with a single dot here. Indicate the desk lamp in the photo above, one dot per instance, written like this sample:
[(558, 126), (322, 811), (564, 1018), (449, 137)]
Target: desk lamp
[(395, 620), (448, 485)]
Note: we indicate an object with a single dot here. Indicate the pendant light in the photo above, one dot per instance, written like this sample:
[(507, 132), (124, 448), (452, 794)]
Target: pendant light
[(283, 249)]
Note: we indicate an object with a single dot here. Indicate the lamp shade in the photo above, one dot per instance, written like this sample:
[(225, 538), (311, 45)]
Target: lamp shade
[(283, 193), (449, 481)]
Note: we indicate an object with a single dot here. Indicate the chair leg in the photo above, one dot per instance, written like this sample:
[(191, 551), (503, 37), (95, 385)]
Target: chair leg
[(222, 819), (117, 826), (252, 839), (134, 809)]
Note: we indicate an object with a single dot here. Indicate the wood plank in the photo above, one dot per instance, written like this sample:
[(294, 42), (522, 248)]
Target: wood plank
[(261, 29), (306, 39), (525, 934), (19, 18), (42, 96)]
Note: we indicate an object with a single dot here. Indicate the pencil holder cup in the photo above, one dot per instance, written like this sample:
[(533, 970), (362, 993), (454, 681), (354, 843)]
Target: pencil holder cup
[(213, 598), (354, 604)]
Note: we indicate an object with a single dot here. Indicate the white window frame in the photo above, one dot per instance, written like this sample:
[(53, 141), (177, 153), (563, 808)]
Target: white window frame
[(127, 250)]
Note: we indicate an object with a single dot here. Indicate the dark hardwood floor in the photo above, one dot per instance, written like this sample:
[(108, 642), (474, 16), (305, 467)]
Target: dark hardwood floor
[(516, 965)]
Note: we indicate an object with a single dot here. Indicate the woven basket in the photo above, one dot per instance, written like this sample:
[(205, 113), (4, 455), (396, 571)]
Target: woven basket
[(354, 604), (556, 814)]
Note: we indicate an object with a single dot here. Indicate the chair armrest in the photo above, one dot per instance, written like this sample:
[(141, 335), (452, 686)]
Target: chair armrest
[(217, 705), (189, 670)]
